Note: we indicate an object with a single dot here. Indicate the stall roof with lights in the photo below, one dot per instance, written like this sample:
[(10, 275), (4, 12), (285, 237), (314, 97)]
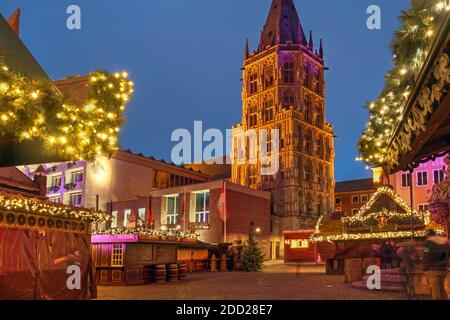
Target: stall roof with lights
[(385, 216)]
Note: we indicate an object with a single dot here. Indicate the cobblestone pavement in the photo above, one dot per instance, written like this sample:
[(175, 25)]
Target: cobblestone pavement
[(276, 282)]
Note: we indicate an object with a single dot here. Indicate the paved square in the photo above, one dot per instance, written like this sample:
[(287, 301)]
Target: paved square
[(277, 282)]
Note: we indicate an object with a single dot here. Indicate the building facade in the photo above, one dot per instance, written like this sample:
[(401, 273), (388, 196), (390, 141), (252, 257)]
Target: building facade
[(284, 88), (424, 178), (219, 211), (350, 196), (122, 176)]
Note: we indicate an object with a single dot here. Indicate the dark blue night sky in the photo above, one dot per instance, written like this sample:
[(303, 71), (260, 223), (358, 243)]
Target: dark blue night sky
[(185, 58)]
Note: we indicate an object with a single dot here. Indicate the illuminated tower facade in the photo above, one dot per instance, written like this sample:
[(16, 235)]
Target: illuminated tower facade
[(283, 88)]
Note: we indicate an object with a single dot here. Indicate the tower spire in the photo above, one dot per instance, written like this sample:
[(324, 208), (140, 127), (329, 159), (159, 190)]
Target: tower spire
[(246, 50), (14, 21), (311, 43), (283, 25), (321, 49)]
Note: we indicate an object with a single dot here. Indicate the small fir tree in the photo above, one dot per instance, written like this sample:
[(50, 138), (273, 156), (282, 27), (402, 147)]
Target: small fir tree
[(253, 258)]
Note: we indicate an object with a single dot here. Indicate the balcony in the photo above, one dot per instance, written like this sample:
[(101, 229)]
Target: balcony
[(53, 189), (70, 186)]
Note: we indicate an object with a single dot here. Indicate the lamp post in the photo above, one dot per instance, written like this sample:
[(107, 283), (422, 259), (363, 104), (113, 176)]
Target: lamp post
[(252, 231)]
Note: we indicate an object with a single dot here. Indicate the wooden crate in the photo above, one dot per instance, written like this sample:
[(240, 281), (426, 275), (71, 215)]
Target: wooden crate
[(353, 270)]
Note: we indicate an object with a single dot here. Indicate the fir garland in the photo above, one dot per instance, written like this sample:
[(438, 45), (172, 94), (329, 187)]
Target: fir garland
[(410, 46), (35, 109)]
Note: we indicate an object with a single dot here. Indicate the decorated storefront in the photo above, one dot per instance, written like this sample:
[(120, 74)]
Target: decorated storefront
[(138, 256), (45, 250)]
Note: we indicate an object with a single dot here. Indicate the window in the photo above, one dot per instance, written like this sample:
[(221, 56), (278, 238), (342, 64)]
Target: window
[(76, 199), (126, 217), (253, 83), (172, 212), (142, 217), (300, 244), (364, 198), (268, 78), (338, 200), (288, 74), (288, 100), (117, 255), (55, 199), (308, 139), (355, 199), (355, 211), (423, 207), (252, 116), (76, 177), (114, 220), (406, 180), (422, 178), (55, 182), (438, 176), (307, 110), (269, 143), (202, 206)]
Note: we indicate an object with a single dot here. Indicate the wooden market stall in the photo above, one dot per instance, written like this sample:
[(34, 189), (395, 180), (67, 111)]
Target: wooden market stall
[(141, 256), (45, 250)]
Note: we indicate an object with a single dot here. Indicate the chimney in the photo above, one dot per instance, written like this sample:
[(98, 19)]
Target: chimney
[(40, 177), (14, 21)]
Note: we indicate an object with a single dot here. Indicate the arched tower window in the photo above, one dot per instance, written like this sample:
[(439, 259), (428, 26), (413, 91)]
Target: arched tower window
[(268, 78), (288, 72), (253, 83), (308, 109)]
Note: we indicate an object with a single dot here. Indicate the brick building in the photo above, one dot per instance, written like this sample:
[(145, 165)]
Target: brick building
[(220, 211), (350, 196)]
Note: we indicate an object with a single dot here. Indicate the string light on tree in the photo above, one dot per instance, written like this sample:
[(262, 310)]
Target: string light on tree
[(35, 109)]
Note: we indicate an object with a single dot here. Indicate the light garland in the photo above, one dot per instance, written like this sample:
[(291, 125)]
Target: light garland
[(362, 216), (34, 206), (411, 46), (36, 109), (152, 233), (369, 236)]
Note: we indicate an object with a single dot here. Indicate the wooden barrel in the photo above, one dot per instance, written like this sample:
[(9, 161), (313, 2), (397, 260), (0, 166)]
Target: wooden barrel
[(172, 272), (353, 270), (182, 270), (159, 273)]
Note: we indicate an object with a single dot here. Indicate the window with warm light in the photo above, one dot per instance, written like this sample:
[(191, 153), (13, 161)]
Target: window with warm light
[(142, 212), (300, 244), (172, 211), (117, 255), (114, 219), (126, 217), (202, 207)]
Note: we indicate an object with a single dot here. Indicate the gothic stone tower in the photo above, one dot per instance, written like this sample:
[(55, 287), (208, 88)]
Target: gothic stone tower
[(283, 88)]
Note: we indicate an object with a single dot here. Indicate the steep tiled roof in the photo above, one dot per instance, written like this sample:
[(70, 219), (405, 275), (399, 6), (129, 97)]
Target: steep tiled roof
[(354, 185), (282, 25)]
